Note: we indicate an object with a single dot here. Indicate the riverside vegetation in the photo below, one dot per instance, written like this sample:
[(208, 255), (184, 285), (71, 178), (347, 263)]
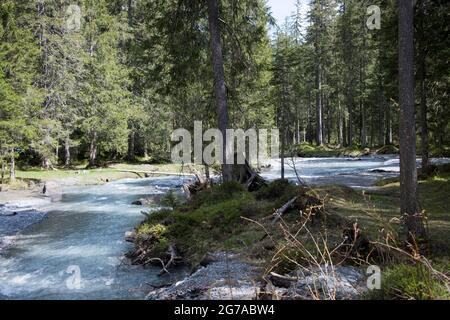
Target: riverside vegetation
[(332, 225)]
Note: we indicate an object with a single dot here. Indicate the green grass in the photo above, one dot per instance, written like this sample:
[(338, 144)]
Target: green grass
[(80, 175), (409, 282), (377, 209), (309, 150), (213, 219)]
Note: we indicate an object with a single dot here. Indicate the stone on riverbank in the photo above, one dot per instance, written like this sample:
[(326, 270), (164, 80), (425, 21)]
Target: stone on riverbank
[(225, 278)]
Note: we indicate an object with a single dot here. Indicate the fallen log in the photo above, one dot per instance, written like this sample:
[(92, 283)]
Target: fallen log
[(279, 212), (149, 173), (281, 281)]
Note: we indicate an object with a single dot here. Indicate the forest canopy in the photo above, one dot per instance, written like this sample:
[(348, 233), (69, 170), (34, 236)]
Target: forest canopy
[(110, 80)]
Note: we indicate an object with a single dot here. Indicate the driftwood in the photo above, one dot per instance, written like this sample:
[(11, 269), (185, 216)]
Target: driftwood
[(281, 281), (199, 184), (279, 212), (174, 258), (149, 173), (247, 176)]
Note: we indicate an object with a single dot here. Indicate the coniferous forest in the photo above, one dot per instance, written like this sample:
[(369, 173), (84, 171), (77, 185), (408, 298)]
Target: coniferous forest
[(92, 90)]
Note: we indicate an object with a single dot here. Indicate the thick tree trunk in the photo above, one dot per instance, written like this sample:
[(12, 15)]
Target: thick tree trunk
[(408, 172), (220, 90), (46, 163), (67, 152), (93, 151)]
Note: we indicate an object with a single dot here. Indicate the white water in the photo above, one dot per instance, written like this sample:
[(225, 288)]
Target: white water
[(356, 173), (86, 229)]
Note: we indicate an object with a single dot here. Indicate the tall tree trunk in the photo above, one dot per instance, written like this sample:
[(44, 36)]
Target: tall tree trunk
[(344, 127), (362, 105), (131, 145), (12, 167), (282, 156), (46, 163), (145, 148), (423, 117), (67, 152), (340, 125), (2, 175), (319, 113), (388, 136), (350, 116), (381, 122), (220, 90), (408, 172), (93, 151), (423, 91), (309, 117)]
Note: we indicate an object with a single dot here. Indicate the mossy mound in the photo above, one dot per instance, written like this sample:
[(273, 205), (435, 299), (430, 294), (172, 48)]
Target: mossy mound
[(218, 218)]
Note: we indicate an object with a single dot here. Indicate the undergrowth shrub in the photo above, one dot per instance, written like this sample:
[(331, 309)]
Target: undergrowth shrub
[(404, 281)]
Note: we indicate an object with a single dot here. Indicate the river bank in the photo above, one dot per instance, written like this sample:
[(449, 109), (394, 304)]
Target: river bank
[(86, 228), (305, 241), (19, 209), (23, 203)]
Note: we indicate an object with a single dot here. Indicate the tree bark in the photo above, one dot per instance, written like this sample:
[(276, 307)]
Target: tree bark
[(408, 172), (319, 114), (131, 145), (220, 90), (350, 116), (93, 151), (283, 146), (145, 149), (67, 152), (423, 92), (388, 136), (2, 176), (340, 125), (362, 105), (12, 167)]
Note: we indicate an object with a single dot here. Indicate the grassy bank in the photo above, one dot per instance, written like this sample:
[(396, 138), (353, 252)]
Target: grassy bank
[(28, 177), (229, 218), (309, 150)]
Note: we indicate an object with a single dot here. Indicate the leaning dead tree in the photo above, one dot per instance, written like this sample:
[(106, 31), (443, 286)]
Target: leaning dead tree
[(243, 173), (200, 183), (246, 175)]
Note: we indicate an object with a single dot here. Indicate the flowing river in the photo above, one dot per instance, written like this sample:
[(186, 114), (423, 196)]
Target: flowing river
[(76, 251)]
